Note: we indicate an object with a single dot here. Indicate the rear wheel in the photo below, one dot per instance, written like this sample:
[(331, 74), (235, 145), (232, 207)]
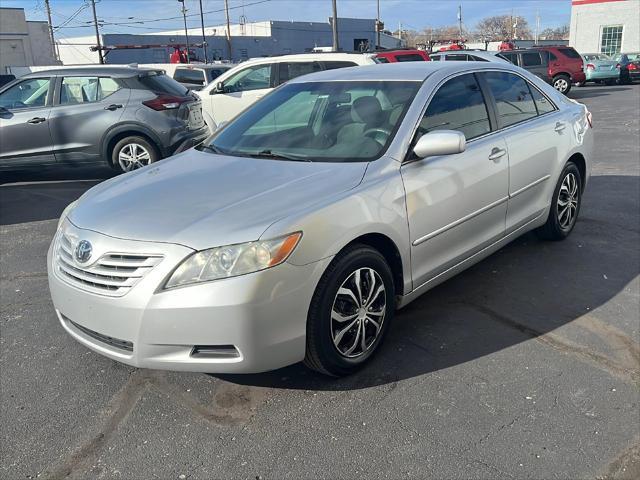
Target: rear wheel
[(562, 83), (565, 205), (610, 81), (132, 153), (350, 312)]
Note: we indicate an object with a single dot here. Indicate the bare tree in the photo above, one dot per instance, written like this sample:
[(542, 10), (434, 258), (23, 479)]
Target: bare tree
[(558, 33), (503, 26)]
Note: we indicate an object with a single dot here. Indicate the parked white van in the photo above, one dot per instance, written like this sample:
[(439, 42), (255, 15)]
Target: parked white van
[(239, 87)]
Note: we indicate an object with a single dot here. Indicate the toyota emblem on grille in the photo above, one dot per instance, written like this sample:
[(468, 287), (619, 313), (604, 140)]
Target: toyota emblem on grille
[(83, 251)]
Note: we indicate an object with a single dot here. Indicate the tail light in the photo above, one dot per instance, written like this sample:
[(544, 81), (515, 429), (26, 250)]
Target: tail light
[(591, 66), (633, 66), (166, 102)]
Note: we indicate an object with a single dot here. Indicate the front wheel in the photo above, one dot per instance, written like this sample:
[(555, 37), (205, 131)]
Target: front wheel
[(132, 153), (565, 205), (562, 83), (350, 313)]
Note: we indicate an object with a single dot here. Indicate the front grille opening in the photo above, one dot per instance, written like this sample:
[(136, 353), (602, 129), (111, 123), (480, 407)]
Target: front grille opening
[(111, 341), (215, 351)]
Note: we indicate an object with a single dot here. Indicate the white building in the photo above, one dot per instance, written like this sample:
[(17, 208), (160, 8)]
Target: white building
[(605, 26), (22, 42)]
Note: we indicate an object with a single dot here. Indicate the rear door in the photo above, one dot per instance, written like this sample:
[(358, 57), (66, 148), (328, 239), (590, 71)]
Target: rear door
[(240, 90), (456, 203), (84, 108), (24, 122), (290, 70), (536, 137)]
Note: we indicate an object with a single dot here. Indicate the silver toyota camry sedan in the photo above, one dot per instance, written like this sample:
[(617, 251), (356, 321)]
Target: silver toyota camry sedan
[(296, 231)]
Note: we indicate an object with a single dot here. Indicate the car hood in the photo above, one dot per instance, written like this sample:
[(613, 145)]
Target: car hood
[(203, 200)]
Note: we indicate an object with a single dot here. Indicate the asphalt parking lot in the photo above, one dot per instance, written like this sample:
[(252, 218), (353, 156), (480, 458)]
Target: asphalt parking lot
[(525, 366)]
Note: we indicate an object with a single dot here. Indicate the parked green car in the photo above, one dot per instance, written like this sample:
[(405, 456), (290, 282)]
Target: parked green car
[(599, 68)]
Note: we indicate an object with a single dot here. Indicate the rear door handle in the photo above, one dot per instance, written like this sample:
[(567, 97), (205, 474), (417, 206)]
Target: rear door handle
[(113, 106), (36, 120), (497, 153), (559, 126)]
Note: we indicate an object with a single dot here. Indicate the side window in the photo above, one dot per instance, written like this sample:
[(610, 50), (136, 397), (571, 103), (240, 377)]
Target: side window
[(473, 58), (542, 103), (457, 105), (513, 98), (435, 58), (290, 70), (409, 57), (188, 75), (382, 60), (255, 77), (338, 64), (552, 57), (512, 57), (26, 94), (76, 90), (458, 57), (531, 59)]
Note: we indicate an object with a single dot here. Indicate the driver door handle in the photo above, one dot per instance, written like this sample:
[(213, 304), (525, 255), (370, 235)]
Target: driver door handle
[(113, 107), (36, 120), (497, 153), (560, 126)]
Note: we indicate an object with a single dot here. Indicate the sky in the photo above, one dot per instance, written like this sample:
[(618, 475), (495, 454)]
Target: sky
[(74, 20)]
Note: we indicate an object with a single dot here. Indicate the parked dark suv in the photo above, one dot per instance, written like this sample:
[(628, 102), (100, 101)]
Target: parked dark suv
[(559, 66), (128, 117)]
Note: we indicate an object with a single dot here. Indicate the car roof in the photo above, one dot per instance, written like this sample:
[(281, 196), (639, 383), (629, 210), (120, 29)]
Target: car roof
[(210, 66), (408, 71), (111, 71), (310, 56)]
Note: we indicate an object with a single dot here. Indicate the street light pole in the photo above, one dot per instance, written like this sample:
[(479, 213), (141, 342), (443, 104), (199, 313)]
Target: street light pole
[(95, 22), (204, 40), (226, 12), (378, 27), (186, 32), (334, 26)]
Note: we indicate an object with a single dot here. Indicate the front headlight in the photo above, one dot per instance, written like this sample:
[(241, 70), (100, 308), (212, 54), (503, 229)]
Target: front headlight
[(233, 260), (66, 212)]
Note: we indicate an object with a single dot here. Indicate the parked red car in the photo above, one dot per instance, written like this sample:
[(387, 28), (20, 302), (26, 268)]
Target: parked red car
[(405, 55), (559, 66)]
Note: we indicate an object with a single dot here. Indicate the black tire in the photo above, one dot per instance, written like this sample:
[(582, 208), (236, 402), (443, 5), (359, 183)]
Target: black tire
[(554, 229), (129, 142), (582, 84), (322, 354), (562, 83), (611, 81)]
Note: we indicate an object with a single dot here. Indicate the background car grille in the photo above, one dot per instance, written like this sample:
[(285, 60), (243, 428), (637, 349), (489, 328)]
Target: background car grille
[(113, 274)]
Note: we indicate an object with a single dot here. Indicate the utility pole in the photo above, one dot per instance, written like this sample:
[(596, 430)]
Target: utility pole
[(537, 25), (51, 39), (226, 12), (460, 23), (400, 31), (95, 22), (204, 40), (378, 27), (334, 27), (186, 32)]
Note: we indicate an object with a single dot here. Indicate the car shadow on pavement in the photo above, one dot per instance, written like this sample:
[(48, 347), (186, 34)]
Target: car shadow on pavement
[(42, 193), (526, 290)]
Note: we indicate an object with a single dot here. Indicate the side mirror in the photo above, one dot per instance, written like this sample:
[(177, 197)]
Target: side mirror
[(219, 88), (440, 142)]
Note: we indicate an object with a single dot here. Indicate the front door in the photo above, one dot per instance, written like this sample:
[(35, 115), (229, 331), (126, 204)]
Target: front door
[(24, 123), (83, 110), (241, 90), (456, 204)]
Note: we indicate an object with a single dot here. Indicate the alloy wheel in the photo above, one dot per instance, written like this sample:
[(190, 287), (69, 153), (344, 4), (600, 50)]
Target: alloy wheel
[(568, 199), (561, 85), (133, 156), (358, 313)]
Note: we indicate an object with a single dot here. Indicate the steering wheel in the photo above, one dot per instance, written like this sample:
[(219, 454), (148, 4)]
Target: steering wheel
[(373, 134)]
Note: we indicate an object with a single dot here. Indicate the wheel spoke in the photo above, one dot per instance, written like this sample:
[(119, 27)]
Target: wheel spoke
[(338, 338), (349, 293), (338, 317), (375, 324), (358, 287), (355, 342), (372, 284)]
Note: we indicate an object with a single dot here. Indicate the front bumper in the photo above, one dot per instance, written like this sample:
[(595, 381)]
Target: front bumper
[(260, 316), (186, 139)]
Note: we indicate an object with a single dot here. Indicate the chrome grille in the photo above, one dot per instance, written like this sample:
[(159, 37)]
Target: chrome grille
[(113, 274)]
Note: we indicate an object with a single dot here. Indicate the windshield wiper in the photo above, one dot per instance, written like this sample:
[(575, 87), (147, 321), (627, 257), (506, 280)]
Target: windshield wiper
[(212, 148), (279, 156)]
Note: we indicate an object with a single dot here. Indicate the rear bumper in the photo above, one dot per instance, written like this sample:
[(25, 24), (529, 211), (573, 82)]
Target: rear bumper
[(601, 75), (578, 77)]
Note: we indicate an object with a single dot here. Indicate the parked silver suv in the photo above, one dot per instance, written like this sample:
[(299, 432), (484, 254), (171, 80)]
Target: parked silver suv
[(129, 117)]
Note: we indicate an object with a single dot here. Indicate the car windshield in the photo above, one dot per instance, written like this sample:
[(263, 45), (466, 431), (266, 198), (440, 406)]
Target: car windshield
[(346, 121)]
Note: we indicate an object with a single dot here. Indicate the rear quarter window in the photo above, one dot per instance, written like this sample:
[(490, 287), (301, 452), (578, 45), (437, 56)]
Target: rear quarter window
[(161, 83), (570, 52), (338, 64), (409, 57)]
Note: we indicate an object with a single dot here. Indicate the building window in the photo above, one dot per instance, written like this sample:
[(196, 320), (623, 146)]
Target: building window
[(611, 42)]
